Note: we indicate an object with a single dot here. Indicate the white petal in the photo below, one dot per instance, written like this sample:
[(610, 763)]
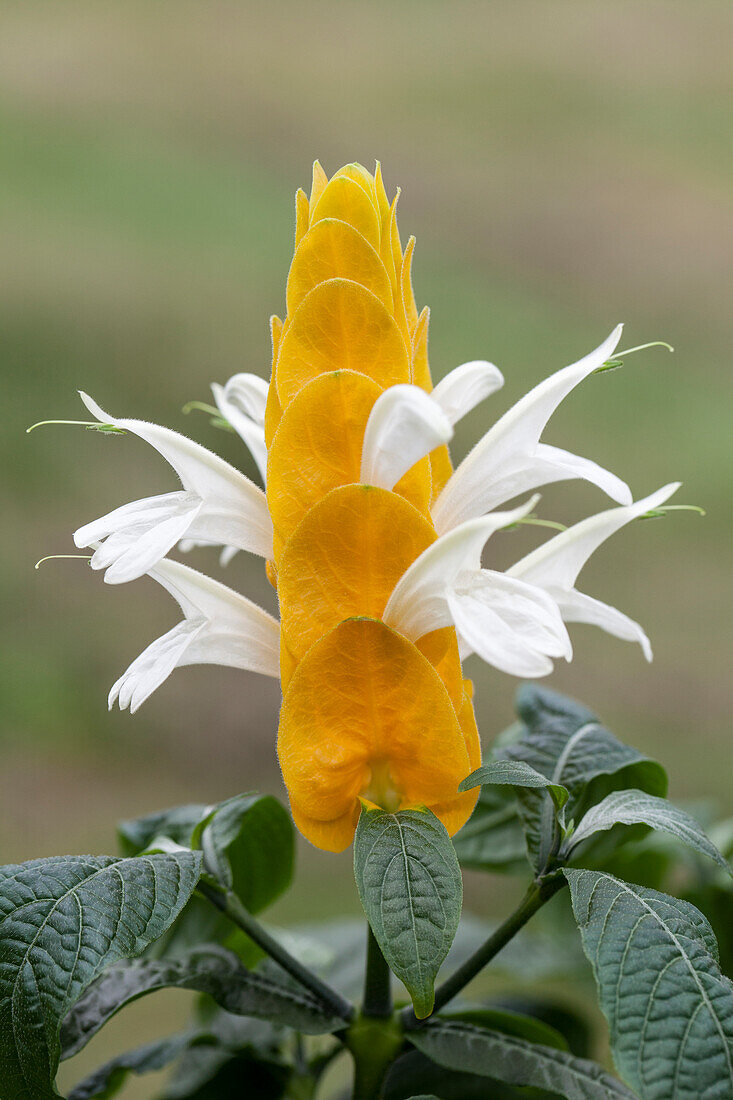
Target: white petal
[(138, 535), (567, 465), (255, 632), (247, 392), (463, 388), (404, 425), (224, 490), (510, 441), (578, 608), (234, 404), (418, 604), (558, 562), (154, 665), (529, 611), (227, 553), (494, 641)]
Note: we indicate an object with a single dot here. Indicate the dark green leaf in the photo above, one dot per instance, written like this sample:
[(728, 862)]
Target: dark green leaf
[(267, 993), (514, 773), (109, 1078), (573, 1027), (493, 838), (566, 743), (637, 808), (62, 922), (414, 1071), (471, 1049), (410, 886), (177, 823), (669, 1008), (249, 846)]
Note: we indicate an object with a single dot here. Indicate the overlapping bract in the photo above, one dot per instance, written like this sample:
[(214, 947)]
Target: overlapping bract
[(354, 459)]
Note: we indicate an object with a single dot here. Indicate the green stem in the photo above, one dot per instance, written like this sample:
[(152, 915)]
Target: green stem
[(377, 981), (231, 906), (531, 903), (374, 1043)]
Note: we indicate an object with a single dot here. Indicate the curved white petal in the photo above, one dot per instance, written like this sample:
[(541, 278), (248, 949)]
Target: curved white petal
[(566, 465), (404, 425), (527, 610), (418, 604), (220, 627), (494, 641), (578, 608), (558, 561), (465, 387), (247, 392), (510, 442), (241, 404), (138, 535), (225, 492), (154, 665)]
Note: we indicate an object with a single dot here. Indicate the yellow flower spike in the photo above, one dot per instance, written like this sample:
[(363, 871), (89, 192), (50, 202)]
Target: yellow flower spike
[(343, 198), (340, 325), (368, 717), (334, 249), (344, 560), (365, 714), (317, 448)]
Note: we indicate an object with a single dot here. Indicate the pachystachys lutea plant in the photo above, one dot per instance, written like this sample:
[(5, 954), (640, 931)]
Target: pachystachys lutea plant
[(374, 543)]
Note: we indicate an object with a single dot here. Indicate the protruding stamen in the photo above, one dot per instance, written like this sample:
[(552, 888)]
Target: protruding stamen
[(54, 557), (90, 425), (618, 359)]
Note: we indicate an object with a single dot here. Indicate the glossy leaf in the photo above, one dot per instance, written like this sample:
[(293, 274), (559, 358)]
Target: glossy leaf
[(410, 886), (177, 823), (637, 808), (566, 743), (669, 1007), (514, 773), (265, 993), (515, 1061), (62, 922), (249, 847)]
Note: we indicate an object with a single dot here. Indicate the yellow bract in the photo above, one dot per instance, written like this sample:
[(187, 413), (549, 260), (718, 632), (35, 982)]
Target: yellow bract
[(366, 714), (368, 717)]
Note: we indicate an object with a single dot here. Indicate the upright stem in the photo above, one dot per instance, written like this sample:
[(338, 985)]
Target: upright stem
[(377, 981), (533, 900), (232, 907)]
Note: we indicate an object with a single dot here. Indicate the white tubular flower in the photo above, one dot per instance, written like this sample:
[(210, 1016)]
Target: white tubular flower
[(509, 623), (465, 387), (555, 566), (218, 504), (510, 459), (220, 628), (404, 425), (242, 403)]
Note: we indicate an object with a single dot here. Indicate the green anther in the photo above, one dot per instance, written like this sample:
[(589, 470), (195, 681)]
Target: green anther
[(659, 513), (617, 361), (90, 425)]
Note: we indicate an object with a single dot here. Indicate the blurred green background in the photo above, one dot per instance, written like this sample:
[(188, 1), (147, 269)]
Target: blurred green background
[(563, 165)]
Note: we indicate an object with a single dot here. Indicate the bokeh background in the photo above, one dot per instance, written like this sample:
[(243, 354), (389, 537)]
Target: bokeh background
[(563, 166)]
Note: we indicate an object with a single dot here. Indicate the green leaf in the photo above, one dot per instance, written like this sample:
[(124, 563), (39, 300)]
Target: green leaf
[(514, 773), (266, 993), (493, 838), (62, 921), (249, 847), (637, 808), (413, 1071), (515, 1061), (109, 1078), (566, 743), (177, 823), (669, 1008), (410, 886)]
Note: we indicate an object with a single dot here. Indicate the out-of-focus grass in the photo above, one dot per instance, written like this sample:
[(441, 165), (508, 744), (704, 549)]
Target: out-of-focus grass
[(563, 167)]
